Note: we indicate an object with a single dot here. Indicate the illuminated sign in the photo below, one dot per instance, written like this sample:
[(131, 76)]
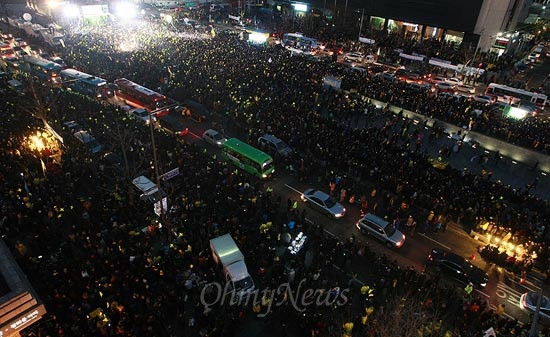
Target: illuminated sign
[(23, 320), (300, 7), (157, 207), (256, 37), (94, 10), (515, 113)]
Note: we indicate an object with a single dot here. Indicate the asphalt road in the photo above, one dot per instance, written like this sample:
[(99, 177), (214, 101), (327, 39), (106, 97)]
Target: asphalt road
[(503, 287)]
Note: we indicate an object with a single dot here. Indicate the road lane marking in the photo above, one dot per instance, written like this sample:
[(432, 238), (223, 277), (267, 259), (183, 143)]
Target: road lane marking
[(501, 293), (523, 285), (292, 188), (482, 293), (508, 289), (439, 243), (494, 308)]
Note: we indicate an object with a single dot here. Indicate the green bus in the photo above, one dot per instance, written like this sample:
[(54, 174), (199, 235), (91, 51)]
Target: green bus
[(248, 158)]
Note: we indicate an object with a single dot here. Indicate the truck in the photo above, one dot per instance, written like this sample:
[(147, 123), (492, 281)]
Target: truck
[(226, 252)]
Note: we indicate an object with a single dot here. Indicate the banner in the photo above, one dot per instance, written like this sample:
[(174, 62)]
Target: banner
[(411, 57)]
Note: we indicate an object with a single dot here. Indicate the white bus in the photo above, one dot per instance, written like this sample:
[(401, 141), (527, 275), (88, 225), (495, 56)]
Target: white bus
[(298, 41), (515, 96)]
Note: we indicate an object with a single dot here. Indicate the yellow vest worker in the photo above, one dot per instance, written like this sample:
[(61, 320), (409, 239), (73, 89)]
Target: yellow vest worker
[(348, 328), (469, 288)]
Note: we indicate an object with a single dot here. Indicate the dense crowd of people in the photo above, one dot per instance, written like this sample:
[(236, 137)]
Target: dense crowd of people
[(102, 247)]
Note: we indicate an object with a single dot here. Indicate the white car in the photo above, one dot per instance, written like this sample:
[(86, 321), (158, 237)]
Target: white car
[(445, 86), (466, 88), (379, 228), (483, 99), (354, 56), (323, 203), (454, 81), (437, 80), (213, 137), (142, 114)]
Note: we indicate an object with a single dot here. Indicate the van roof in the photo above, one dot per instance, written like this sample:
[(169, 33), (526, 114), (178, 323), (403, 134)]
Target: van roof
[(271, 138), (145, 185), (226, 249)]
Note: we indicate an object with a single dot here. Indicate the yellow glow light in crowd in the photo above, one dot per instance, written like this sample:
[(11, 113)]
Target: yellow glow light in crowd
[(38, 143)]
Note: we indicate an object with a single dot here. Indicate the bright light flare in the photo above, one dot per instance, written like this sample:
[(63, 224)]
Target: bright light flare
[(71, 11), (38, 143), (125, 10)]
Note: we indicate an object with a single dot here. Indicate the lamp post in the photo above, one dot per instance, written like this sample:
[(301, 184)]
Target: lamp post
[(361, 24), (534, 322)]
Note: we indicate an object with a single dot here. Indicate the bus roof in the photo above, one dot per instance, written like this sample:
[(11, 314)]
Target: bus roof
[(123, 82), (516, 90), (42, 63), (78, 75), (247, 150)]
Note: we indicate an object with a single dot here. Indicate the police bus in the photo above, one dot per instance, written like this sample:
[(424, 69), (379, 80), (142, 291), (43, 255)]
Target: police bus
[(45, 71), (83, 83)]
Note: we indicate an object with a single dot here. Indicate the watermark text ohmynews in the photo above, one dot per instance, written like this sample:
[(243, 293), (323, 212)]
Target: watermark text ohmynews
[(299, 298)]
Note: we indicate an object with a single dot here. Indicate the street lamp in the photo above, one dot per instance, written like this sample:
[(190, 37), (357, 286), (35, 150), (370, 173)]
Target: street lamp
[(361, 24)]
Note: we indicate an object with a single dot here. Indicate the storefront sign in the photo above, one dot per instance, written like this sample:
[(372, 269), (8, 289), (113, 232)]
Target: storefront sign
[(22, 321)]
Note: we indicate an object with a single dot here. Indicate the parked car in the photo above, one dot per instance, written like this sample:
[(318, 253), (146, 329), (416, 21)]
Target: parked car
[(466, 88), (380, 229), (454, 81), (171, 124), (529, 301), (388, 76), (142, 114), (88, 141), (445, 86), (483, 99), (59, 61), (354, 56), (274, 145), (359, 68), (323, 203), (420, 86), (437, 80), (458, 267), (213, 137)]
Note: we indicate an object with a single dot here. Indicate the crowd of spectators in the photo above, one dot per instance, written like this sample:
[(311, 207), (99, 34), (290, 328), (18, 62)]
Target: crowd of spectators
[(103, 247)]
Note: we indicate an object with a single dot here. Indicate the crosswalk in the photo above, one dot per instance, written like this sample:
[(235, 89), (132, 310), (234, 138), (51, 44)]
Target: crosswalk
[(505, 292)]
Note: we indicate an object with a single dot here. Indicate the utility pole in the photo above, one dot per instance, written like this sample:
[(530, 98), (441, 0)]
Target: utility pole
[(535, 321), (361, 24)]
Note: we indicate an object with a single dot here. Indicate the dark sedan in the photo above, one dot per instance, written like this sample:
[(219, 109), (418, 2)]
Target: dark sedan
[(458, 267)]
